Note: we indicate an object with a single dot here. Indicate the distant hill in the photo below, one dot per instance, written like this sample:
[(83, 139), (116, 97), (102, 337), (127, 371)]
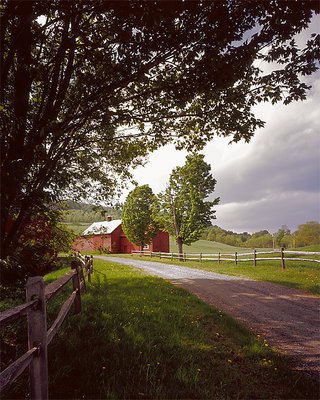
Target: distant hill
[(83, 213)]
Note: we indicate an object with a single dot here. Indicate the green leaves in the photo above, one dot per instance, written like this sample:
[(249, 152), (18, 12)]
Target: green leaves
[(138, 222), (184, 207)]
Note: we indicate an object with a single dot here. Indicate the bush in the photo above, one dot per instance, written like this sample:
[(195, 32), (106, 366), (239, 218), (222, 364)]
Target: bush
[(37, 250)]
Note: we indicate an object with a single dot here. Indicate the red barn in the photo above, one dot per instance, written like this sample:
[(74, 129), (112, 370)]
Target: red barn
[(108, 236)]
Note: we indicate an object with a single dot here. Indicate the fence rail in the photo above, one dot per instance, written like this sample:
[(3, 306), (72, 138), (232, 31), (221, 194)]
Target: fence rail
[(39, 337), (279, 254)]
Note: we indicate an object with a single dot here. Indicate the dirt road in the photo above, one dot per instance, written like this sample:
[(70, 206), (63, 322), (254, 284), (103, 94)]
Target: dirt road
[(287, 318)]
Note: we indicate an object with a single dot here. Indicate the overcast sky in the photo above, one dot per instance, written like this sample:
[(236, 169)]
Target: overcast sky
[(272, 181)]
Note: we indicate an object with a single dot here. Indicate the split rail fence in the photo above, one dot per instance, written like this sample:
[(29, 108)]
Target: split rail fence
[(254, 257), (39, 337)]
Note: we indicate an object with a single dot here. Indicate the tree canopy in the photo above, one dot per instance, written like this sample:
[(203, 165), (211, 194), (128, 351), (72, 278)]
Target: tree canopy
[(138, 221), (184, 206), (89, 87)]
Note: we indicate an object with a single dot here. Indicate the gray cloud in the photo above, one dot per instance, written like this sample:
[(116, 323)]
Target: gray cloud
[(277, 181), (291, 209)]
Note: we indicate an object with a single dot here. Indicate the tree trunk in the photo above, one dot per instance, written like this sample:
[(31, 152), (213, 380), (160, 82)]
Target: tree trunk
[(13, 143), (180, 250)]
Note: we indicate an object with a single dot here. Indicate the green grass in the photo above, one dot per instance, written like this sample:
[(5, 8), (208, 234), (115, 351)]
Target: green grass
[(140, 337), (205, 246), (297, 274), (77, 227), (313, 247)]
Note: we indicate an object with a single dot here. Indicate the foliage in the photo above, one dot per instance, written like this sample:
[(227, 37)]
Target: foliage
[(260, 240), (75, 216), (306, 234), (43, 237), (184, 208), (138, 222), (281, 236), (74, 212), (62, 238), (77, 77)]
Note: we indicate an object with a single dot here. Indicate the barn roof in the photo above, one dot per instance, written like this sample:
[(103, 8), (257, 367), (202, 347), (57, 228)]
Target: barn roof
[(103, 227)]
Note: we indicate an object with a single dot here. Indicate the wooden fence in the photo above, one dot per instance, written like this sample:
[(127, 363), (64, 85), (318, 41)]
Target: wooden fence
[(253, 257), (37, 295)]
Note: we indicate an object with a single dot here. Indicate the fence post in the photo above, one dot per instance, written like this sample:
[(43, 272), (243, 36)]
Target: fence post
[(91, 265), (200, 257), (236, 257), (37, 337), (89, 270), (160, 254), (76, 286), (254, 257), (219, 257), (282, 259), (171, 256)]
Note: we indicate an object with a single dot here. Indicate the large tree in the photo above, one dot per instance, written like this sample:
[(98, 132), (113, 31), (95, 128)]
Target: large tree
[(307, 234), (138, 216), (78, 76), (184, 206)]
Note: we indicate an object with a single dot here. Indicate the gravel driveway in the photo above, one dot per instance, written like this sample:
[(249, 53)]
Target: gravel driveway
[(287, 318)]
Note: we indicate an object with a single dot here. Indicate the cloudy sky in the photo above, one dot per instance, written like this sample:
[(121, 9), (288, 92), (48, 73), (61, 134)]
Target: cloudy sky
[(272, 181)]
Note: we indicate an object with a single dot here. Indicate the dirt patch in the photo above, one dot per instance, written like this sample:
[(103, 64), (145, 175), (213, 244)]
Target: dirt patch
[(287, 318)]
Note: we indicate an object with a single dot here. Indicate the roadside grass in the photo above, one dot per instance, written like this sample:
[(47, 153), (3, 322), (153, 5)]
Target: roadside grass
[(139, 337), (297, 274)]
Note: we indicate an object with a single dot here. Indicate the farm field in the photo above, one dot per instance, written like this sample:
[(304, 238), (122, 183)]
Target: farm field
[(206, 246), (141, 337)]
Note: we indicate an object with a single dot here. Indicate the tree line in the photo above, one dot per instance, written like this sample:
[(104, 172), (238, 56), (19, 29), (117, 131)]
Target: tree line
[(89, 216), (305, 235)]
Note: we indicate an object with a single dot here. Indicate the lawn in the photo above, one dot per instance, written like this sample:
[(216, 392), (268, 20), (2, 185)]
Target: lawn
[(139, 337)]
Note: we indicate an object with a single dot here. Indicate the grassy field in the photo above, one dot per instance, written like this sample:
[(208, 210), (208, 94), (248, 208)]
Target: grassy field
[(78, 227), (204, 246), (139, 337)]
